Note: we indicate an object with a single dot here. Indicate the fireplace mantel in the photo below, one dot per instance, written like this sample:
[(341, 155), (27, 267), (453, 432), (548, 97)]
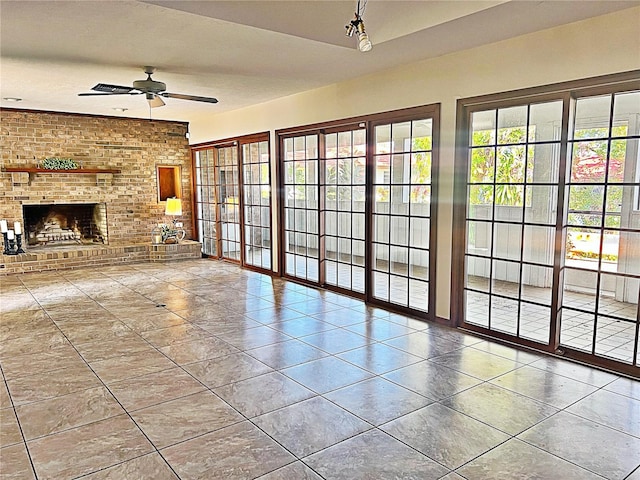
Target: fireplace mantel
[(46, 170), (22, 175)]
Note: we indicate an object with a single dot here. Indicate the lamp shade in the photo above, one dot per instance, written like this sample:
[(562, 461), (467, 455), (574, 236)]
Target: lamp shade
[(173, 207)]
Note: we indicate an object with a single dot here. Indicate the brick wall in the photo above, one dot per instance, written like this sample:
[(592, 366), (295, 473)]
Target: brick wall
[(135, 146)]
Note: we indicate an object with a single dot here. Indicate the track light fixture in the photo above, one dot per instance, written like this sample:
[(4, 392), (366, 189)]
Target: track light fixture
[(357, 26)]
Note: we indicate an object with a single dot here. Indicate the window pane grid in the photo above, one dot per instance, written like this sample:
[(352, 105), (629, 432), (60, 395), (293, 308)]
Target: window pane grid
[(500, 194), (257, 204), (402, 202), (205, 202), (301, 240)]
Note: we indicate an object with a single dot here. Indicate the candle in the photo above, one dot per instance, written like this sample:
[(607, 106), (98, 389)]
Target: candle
[(10, 235), (3, 226), (18, 228)]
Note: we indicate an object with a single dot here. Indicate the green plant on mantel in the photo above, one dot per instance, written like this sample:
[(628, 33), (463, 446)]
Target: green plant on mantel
[(57, 163)]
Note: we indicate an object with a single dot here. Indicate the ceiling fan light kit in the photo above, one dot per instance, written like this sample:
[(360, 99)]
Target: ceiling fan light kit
[(357, 26), (152, 89)]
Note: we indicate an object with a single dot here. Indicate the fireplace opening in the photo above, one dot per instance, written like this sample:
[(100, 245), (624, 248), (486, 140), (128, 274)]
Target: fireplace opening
[(65, 224)]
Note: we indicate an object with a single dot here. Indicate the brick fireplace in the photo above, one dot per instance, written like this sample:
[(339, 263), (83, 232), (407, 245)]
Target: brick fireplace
[(127, 201), (65, 224)]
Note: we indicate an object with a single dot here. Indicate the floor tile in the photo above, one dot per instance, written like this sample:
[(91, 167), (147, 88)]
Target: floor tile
[(69, 411), (184, 418), (517, 460), (379, 329), (320, 375), (147, 467), (309, 426), (139, 392), (272, 313), (229, 323), (38, 323), (341, 318), (302, 326), (444, 435), (635, 475), (144, 323), (511, 353), (432, 380), (118, 347), (379, 358), (625, 386), (502, 409), (199, 349), (32, 343), (15, 463), (240, 452), (610, 409), (5, 400), (423, 345), (180, 333), (377, 400), (263, 394), (228, 369), (293, 471), (88, 448), (454, 476), (79, 333), (336, 340), (575, 371), (286, 354), (254, 337), (588, 444), (544, 386), (9, 429), (41, 386), (131, 365), (475, 363), (64, 356), (374, 454)]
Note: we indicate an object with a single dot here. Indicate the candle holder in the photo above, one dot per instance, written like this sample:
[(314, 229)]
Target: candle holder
[(19, 244), (9, 245), (7, 250)]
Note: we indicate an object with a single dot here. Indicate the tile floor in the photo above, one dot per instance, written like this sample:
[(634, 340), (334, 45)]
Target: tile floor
[(201, 370)]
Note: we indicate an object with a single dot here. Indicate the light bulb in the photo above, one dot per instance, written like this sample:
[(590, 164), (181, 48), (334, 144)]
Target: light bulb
[(364, 44)]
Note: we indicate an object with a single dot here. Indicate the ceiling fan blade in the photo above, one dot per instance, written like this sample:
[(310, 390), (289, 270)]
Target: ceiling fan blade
[(189, 97), (154, 101), (102, 93), (113, 89)]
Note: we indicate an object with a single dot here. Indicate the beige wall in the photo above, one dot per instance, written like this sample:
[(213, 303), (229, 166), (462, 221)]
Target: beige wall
[(599, 46)]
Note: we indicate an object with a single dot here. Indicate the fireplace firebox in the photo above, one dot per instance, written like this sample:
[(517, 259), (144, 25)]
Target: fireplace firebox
[(65, 224)]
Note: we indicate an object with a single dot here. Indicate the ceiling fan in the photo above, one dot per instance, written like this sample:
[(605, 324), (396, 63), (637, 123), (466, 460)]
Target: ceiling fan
[(152, 89)]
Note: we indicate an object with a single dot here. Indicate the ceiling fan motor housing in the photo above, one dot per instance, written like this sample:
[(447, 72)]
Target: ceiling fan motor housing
[(149, 86)]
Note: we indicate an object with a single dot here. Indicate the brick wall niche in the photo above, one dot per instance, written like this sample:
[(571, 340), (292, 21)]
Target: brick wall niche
[(134, 147)]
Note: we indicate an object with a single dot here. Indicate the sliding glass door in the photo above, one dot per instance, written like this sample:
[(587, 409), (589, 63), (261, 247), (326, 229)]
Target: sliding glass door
[(357, 207), (233, 200), (552, 223)]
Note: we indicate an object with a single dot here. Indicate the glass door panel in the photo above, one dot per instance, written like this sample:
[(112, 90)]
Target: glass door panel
[(401, 213), (228, 189), (301, 194), (256, 178), (511, 214), (343, 193), (206, 204), (602, 264)]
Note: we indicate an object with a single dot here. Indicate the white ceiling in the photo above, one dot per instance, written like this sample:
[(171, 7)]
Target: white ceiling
[(241, 52)]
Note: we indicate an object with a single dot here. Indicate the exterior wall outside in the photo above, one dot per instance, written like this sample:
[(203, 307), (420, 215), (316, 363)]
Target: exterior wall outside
[(598, 46), (134, 146)]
